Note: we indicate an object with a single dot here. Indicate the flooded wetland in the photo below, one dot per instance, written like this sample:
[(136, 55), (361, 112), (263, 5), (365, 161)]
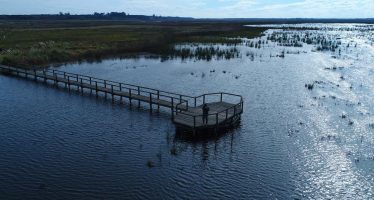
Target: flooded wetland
[(307, 131)]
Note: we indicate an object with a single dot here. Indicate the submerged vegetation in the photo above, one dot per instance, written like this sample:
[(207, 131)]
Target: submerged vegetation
[(40, 45)]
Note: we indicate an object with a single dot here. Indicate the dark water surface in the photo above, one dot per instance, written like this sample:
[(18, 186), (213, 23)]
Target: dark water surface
[(60, 145)]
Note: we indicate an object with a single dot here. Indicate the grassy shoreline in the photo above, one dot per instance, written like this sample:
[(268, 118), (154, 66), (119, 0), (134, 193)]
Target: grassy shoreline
[(37, 46)]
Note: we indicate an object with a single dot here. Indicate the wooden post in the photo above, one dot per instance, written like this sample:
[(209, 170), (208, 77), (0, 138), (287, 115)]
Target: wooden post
[(204, 99), (195, 101), (158, 98), (35, 75), (139, 95), (150, 101), (130, 97), (65, 78), (90, 85), (77, 81), (69, 82), (97, 94), (194, 121), (172, 108), (45, 75), (112, 93), (120, 89), (221, 97), (105, 89), (81, 85), (216, 119), (55, 78)]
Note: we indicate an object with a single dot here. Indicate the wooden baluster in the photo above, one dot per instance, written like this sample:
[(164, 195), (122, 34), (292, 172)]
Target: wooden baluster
[(91, 85), (172, 108), (97, 92), (55, 78), (105, 89), (158, 98), (65, 79), (69, 82), (82, 85), (112, 93), (130, 97), (120, 90), (35, 78), (150, 101), (194, 121), (138, 97), (216, 119)]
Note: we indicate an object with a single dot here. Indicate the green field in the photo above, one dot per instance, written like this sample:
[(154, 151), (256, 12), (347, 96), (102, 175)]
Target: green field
[(42, 43)]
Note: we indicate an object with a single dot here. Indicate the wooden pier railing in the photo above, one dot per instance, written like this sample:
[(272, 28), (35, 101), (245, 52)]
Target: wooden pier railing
[(222, 110), (187, 108)]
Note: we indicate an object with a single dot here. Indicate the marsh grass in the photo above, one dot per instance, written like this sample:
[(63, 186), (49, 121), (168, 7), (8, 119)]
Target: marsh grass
[(38, 46)]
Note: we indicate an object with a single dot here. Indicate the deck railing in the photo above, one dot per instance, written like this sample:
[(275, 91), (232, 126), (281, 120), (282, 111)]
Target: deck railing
[(228, 113), (113, 86), (179, 104)]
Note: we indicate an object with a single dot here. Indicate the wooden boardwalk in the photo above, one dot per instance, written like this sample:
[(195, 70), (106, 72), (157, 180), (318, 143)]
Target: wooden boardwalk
[(186, 110)]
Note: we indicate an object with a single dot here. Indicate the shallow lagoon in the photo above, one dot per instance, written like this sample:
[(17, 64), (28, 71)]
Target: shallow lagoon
[(292, 142)]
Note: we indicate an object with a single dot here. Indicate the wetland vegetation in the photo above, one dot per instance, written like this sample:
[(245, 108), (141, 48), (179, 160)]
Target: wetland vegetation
[(43, 44)]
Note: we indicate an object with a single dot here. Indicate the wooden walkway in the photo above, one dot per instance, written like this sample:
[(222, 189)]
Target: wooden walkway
[(186, 110)]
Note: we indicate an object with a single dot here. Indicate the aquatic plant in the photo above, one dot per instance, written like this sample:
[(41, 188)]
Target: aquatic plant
[(309, 86), (203, 53), (173, 151), (150, 164)]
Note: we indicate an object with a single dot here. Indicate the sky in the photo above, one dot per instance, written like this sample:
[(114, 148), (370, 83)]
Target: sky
[(199, 8)]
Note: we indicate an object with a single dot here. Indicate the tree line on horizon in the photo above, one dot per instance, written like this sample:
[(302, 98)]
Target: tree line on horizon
[(95, 15)]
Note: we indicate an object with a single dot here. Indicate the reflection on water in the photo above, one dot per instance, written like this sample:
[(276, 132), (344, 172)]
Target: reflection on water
[(292, 142)]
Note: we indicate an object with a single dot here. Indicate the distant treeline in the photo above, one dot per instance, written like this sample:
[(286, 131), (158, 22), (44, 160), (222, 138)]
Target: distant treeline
[(125, 16), (94, 16)]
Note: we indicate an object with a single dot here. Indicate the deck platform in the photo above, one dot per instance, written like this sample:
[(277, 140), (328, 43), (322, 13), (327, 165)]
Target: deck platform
[(186, 111), (220, 113)]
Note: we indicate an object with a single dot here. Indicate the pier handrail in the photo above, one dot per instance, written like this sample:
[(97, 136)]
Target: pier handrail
[(174, 97), (114, 83), (216, 114), (209, 94), (227, 106)]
